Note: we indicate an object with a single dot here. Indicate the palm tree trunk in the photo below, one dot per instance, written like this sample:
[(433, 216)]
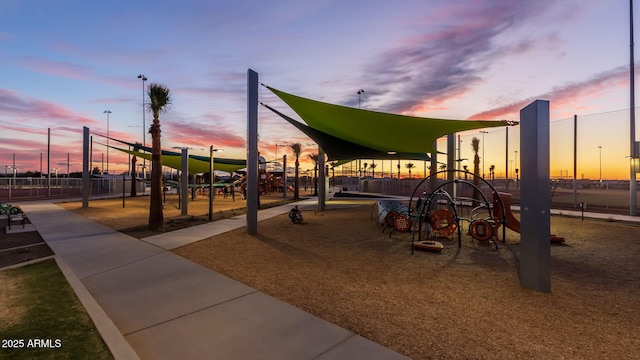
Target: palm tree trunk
[(296, 185), (476, 177), (156, 217), (134, 190)]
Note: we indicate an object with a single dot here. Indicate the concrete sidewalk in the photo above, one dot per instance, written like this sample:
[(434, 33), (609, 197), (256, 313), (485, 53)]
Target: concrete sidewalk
[(167, 307)]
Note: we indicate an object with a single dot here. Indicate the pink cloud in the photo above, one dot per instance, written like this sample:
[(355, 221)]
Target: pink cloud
[(435, 66), (56, 68), (202, 136), (21, 109), (566, 96)]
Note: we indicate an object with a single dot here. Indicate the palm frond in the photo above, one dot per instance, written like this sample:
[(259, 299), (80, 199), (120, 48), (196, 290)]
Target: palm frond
[(159, 99)]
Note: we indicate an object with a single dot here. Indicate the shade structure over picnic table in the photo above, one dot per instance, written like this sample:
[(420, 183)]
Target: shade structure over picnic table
[(197, 164)]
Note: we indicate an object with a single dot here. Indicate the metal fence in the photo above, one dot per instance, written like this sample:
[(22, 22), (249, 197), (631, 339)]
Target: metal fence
[(31, 188)]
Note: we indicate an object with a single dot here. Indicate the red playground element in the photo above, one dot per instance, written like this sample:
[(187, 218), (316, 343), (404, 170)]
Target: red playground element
[(443, 222), (511, 222), (401, 223)]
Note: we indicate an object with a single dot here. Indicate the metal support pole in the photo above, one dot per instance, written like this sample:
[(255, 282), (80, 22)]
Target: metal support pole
[(322, 191), (86, 180), (49, 162), (633, 191), (451, 154), (211, 179), (433, 181), (535, 259), (184, 182), (124, 183), (252, 152), (575, 161), (284, 176), (506, 159)]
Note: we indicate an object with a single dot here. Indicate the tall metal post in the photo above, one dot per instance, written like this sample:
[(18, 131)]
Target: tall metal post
[(535, 258), (575, 161), (433, 181), (633, 192), (322, 191), (107, 112), (211, 179), (48, 161), (86, 180), (284, 175), (451, 154), (506, 158), (184, 182), (144, 136), (252, 152)]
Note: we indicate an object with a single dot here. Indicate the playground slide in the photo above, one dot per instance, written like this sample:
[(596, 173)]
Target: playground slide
[(512, 223)]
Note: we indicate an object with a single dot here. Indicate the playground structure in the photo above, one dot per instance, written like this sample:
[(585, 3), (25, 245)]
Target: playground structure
[(268, 182), (6, 208), (442, 211)]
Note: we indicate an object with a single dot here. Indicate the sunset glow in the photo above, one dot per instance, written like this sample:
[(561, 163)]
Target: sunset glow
[(65, 63)]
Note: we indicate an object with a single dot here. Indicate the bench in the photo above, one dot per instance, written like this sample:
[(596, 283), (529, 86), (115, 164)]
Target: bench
[(17, 218)]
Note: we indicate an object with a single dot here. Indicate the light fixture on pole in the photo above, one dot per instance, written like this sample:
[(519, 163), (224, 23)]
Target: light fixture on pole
[(284, 144), (144, 134), (360, 92), (106, 112)]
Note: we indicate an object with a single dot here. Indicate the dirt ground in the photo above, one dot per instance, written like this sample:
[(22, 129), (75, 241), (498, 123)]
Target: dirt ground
[(462, 303), (16, 248), (133, 217)]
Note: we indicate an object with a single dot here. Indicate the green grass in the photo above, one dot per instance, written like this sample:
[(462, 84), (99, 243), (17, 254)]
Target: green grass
[(50, 311)]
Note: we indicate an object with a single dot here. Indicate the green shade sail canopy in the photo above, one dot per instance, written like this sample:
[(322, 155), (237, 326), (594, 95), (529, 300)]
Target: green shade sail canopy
[(338, 149), (376, 130), (197, 164)]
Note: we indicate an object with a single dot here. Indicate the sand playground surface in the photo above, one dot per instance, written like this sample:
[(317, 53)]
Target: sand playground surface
[(464, 303)]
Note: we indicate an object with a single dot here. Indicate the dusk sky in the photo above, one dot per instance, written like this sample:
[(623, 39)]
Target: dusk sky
[(64, 62)]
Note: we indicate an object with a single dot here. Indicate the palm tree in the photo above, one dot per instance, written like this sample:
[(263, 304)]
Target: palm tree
[(443, 167), (365, 169), (373, 169), (159, 99), (315, 159), (409, 166), (475, 145), (296, 185)]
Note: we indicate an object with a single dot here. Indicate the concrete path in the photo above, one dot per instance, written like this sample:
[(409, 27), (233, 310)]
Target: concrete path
[(152, 304)]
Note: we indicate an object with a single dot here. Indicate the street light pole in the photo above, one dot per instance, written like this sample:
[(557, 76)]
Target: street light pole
[(107, 112), (360, 92), (483, 132), (144, 134), (600, 149)]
